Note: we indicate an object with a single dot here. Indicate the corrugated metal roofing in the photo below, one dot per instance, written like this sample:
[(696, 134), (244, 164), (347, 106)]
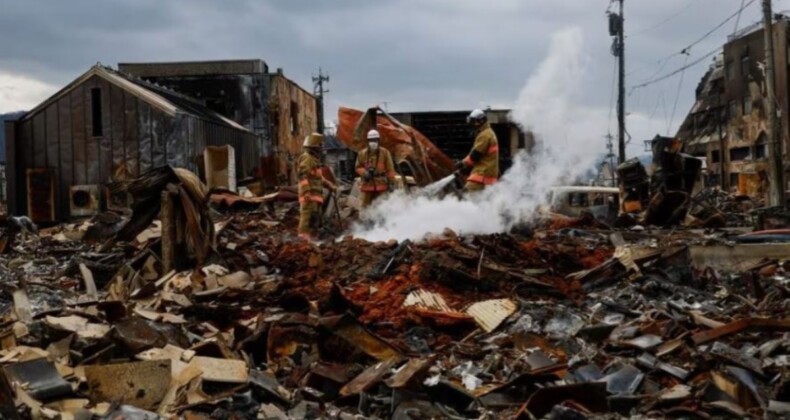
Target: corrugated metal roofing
[(167, 101)]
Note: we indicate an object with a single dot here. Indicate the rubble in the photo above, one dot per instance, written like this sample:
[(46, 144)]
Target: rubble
[(566, 319)]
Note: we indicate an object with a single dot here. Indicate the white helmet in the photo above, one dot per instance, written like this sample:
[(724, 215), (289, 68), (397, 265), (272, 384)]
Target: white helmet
[(475, 115), (373, 135)]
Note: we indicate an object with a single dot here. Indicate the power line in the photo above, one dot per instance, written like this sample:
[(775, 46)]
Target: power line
[(687, 49), (738, 20), (668, 75), (661, 64), (737, 13), (677, 97), (664, 21)]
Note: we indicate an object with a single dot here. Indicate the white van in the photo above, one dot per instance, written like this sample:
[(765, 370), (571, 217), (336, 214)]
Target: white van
[(602, 202)]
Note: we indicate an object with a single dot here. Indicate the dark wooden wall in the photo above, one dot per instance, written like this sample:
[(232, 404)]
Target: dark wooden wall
[(135, 138)]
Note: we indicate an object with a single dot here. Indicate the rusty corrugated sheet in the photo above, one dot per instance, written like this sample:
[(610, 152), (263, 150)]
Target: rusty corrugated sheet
[(406, 144)]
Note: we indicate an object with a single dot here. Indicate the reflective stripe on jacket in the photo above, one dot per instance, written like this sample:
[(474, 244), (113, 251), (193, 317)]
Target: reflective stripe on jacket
[(311, 186), (384, 169)]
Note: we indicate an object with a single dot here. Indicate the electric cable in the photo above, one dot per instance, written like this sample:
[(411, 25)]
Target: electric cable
[(677, 97), (687, 49), (664, 21)]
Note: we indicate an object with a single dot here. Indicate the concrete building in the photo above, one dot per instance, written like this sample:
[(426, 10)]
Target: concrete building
[(727, 124), (276, 109), (449, 131), (106, 126)]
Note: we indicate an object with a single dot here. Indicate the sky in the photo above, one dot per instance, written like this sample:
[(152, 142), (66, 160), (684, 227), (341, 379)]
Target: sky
[(405, 55)]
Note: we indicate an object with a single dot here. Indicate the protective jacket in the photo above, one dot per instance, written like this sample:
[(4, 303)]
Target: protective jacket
[(311, 186), (484, 157), (383, 169)]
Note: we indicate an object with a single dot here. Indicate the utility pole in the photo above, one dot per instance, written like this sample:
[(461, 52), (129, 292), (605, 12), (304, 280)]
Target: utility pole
[(610, 158), (723, 180), (774, 138), (318, 91), (617, 30)]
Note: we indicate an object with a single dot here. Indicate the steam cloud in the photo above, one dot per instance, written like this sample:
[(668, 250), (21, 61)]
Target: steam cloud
[(545, 105)]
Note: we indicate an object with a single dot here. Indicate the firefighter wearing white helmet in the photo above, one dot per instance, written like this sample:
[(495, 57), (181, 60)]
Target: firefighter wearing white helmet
[(311, 186), (375, 169), (483, 161)]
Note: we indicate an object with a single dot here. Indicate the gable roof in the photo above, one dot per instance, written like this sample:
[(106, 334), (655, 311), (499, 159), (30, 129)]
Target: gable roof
[(159, 97)]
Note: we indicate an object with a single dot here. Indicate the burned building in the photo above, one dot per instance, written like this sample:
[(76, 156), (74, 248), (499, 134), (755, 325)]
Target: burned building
[(340, 158), (107, 126), (449, 131), (704, 130), (727, 124), (276, 109)]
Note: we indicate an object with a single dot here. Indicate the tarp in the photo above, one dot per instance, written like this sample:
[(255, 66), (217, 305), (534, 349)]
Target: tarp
[(407, 145)]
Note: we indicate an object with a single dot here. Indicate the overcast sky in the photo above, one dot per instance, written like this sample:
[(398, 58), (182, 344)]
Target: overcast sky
[(405, 54)]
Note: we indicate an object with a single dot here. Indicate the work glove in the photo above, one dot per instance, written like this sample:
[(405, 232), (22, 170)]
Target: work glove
[(369, 174), (459, 165)]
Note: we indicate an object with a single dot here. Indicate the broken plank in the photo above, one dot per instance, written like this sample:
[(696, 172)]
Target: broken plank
[(751, 324)]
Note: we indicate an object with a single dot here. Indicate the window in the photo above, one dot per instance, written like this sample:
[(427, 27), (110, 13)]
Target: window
[(294, 117), (745, 66), (747, 102), (760, 151), (729, 70), (715, 156), (578, 199), (96, 112), (733, 109), (739, 153)]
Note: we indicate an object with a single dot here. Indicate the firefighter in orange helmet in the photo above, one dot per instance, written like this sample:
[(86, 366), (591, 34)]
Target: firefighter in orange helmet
[(483, 160), (375, 169), (311, 187)]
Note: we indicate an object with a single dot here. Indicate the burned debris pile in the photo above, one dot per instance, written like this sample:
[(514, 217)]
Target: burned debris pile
[(206, 305)]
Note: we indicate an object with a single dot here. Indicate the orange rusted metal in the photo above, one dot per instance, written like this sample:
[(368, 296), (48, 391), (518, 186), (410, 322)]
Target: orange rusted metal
[(408, 146)]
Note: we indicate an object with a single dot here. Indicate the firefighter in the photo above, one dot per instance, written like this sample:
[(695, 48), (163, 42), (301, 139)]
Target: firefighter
[(375, 169), (311, 187), (483, 160)]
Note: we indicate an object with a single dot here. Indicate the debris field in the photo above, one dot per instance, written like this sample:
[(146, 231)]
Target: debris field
[(214, 309)]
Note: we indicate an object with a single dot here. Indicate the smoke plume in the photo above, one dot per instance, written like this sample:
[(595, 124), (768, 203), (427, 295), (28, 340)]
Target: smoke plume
[(546, 106)]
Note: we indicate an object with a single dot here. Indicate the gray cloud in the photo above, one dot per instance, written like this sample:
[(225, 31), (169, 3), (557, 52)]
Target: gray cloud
[(413, 54)]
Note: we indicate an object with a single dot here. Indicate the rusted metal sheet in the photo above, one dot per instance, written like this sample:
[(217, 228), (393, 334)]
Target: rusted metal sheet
[(352, 331), (371, 376), (41, 195), (409, 373), (750, 324), (407, 145)]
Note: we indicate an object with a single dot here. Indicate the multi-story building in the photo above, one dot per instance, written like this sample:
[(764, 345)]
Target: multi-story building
[(727, 124)]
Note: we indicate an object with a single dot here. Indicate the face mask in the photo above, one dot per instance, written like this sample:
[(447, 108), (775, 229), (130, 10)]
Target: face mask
[(373, 145)]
